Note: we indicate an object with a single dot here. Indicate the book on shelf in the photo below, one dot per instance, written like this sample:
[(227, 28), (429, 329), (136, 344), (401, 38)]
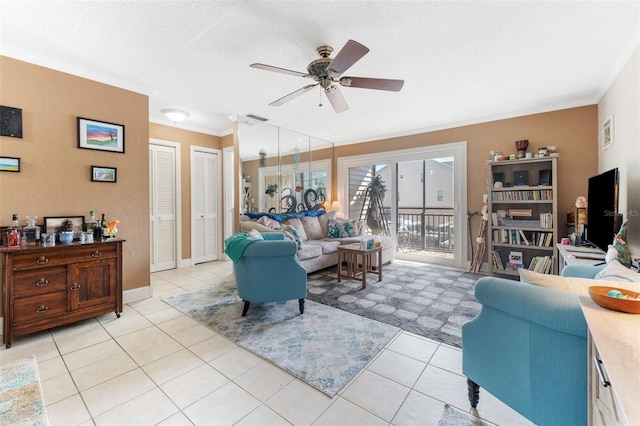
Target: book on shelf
[(497, 260), (524, 238), (522, 195), (520, 212), (546, 220), (541, 264)]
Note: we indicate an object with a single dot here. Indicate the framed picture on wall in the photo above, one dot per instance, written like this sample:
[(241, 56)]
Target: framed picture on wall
[(9, 164), (100, 135), (607, 133), (103, 174), (53, 222)]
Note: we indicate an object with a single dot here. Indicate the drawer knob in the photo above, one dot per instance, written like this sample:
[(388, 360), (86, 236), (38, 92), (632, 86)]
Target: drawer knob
[(42, 309), (42, 282), (42, 260), (74, 286), (96, 254)]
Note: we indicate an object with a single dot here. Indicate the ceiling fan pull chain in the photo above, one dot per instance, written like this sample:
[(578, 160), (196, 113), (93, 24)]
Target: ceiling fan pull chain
[(320, 92)]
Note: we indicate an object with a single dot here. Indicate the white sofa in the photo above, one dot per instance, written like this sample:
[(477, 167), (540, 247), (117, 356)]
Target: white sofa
[(317, 249)]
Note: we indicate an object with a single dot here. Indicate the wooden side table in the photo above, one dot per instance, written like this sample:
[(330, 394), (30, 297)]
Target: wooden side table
[(359, 262)]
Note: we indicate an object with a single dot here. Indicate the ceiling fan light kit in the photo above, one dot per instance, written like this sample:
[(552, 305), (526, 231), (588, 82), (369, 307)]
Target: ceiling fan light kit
[(326, 72)]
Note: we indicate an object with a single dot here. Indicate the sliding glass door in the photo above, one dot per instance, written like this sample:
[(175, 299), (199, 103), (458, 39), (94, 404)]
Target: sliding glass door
[(418, 196)]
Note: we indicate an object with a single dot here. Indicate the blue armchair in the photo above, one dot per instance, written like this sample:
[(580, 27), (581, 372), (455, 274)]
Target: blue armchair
[(269, 271), (528, 347)]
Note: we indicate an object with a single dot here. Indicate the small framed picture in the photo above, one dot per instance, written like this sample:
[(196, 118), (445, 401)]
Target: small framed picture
[(9, 164), (103, 174), (53, 222), (608, 133), (100, 135)]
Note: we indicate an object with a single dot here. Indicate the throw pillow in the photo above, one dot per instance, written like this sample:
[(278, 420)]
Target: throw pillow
[(572, 284), (323, 221), (615, 271), (248, 225), (620, 244), (255, 235), (341, 228), (295, 223), (311, 225), (292, 233), (268, 222)]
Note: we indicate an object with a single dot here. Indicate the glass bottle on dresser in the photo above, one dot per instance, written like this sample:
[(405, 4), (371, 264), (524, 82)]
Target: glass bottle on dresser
[(13, 232), (105, 229)]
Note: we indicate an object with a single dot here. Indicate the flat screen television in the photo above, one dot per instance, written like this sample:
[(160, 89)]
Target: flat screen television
[(602, 209)]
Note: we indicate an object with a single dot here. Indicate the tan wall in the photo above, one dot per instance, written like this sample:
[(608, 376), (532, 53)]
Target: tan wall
[(55, 175), (622, 102), (573, 131), (186, 139)]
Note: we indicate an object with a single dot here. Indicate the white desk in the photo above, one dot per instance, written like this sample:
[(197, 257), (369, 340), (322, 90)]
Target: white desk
[(575, 255)]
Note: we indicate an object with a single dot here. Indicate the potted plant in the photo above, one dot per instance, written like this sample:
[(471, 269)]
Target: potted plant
[(65, 231)]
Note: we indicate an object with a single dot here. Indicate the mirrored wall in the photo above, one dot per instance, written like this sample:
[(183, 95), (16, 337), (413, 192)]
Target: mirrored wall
[(282, 171)]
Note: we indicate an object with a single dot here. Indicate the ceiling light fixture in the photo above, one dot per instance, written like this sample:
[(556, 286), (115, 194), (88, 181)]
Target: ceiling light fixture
[(175, 115)]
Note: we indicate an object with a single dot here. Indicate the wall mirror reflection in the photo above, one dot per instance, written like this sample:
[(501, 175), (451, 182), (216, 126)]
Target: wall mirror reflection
[(282, 171)]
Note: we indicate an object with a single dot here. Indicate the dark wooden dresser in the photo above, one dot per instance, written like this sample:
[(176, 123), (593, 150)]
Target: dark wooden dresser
[(45, 287)]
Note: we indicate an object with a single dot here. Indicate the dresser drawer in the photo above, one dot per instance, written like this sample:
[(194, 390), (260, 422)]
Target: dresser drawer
[(38, 308), (80, 253), (40, 281)]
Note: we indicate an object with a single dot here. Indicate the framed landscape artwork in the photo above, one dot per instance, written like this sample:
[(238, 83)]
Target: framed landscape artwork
[(100, 135), (9, 164), (103, 174)]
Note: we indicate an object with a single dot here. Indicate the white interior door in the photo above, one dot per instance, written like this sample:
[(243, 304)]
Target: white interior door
[(163, 172), (229, 192), (205, 204)]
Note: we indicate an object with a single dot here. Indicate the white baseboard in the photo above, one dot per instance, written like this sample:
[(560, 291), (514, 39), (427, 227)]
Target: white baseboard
[(185, 263), (136, 294)]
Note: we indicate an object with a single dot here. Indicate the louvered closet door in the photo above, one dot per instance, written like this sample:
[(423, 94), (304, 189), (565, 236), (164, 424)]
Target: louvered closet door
[(162, 207), (204, 206)]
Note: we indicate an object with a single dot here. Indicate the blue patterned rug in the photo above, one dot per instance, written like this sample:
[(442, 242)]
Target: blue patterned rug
[(432, 301), (21, 400), (325, 346)]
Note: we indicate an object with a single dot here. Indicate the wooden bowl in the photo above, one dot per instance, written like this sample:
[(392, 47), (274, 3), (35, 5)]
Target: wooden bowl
[(630, 306)]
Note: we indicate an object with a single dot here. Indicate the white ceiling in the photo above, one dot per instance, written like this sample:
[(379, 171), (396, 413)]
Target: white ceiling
[(462, 62)]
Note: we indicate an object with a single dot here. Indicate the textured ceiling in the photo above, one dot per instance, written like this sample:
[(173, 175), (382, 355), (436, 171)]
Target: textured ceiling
[(462, 62)]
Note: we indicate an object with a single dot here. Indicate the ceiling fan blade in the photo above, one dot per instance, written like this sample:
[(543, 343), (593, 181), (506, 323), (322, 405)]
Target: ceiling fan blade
[(277, 69), (347, 56), (337, 100), (292, 95), (372, 83)]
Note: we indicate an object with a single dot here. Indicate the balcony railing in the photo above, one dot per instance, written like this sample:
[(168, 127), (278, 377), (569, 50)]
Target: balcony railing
[(425, 229)]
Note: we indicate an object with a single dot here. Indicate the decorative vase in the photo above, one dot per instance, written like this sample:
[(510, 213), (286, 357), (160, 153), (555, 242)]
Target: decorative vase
[(521, 146), (66, 237)]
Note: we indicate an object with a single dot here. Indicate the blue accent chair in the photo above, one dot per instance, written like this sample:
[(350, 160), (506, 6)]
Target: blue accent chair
[(528, 348), (269, 271)]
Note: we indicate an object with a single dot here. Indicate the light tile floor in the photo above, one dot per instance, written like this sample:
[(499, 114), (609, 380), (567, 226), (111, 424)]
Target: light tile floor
[(156, 366)]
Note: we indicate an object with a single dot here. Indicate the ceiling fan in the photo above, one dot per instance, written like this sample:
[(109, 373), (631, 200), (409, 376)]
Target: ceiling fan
[(326, 72)]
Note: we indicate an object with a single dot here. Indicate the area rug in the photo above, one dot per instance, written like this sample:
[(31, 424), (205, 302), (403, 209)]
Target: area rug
[(21, 400), (428, 300), (325, 347), (453, 417)]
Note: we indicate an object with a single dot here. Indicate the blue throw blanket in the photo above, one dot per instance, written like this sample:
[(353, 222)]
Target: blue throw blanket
[(284, 216), (236, 244)]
